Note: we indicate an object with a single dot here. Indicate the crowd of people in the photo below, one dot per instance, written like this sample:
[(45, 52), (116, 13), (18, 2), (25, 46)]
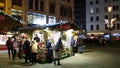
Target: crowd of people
[(19, 46)]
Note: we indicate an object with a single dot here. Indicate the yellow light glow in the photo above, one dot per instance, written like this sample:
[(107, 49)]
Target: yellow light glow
[(109, 9), (2, 4)]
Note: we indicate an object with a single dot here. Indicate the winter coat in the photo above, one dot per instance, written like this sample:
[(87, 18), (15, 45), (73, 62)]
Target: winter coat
[(58, 49), (34, 47)]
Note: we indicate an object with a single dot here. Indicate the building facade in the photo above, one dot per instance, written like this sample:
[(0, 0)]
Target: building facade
[(97, 13), (80, 13), (39, 11)]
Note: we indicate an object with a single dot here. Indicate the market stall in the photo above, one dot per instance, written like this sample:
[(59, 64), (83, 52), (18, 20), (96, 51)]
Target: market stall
[(64, 30), (7, 23)]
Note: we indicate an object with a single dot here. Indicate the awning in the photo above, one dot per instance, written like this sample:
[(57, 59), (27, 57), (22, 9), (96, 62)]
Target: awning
[(8, 22), (63, 26), (32, 27)]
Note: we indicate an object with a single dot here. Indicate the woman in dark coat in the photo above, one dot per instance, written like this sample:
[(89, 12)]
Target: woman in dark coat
[(49, 54)]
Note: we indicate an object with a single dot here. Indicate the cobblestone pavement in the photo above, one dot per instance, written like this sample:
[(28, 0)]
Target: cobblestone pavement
[(91, 58)]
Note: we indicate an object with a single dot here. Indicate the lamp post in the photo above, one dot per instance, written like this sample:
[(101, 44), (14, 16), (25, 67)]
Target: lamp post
[(109, 25), (111, 21)]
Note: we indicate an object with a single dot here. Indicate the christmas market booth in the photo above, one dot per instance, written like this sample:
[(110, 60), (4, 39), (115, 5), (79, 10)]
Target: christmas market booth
[(64, 30), (51, 33), (7, 23)]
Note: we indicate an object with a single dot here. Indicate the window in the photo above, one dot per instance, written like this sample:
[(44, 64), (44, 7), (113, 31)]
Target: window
[(36, 4), (91, 27), (117, 16), (97, 27), (41, 6), (68, 12), (65, 11), (97, 18), (30, 4), (91, 2), (105, 1), (1, 1), (62, 10), (35, 18), (52, 8), (91, 18), (115, 7), (118, 26), (97, 10), (97, 1), (17, 2), (68, 0)]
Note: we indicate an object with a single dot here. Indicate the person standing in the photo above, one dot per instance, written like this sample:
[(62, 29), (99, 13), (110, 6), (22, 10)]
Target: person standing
[(15, 45), (34, 51), (72, 46), (80, 44), (26, 48), (37, 38), (57, 52), (9, 46), (49, 55), (20, 48)]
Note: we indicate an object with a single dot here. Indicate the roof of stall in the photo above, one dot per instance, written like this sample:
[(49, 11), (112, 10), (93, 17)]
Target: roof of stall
[(8, 22), (63, 26), (32, 27)]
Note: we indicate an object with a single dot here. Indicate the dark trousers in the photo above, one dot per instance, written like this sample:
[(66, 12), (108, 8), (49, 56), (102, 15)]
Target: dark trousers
[(27, 56), (34, 58), (10, 52), (57, 60), (14, 54), (20, 53)]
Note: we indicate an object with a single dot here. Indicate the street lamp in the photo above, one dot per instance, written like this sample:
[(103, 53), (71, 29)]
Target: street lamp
[(111, 21)]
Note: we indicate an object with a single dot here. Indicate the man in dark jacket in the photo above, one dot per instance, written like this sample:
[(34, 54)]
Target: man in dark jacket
[(9, 46), (26, 48)]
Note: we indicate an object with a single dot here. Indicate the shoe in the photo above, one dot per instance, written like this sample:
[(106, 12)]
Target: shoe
[(54, 63), (59, 64)]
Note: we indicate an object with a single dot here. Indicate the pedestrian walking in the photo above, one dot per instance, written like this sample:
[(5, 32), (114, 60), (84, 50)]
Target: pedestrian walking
[(57, 52)]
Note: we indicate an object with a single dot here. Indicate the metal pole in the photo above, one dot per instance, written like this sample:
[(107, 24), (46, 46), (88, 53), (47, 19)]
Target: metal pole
[(109, 19)]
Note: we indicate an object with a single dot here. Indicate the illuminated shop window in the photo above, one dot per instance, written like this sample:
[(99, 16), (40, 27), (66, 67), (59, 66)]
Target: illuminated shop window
[(52, 20), (34, 18)]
